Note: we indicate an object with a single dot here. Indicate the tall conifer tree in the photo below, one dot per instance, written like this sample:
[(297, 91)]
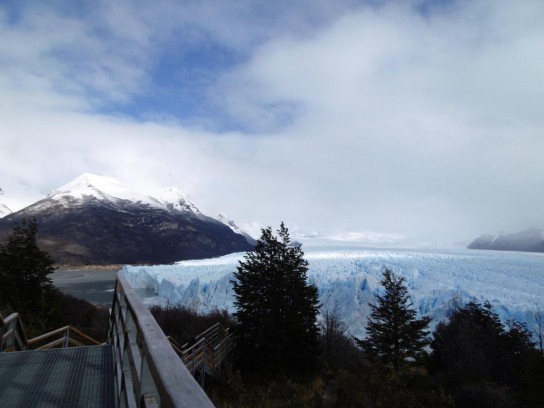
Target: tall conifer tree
[(24, 270), (393, 331), (276, 307)]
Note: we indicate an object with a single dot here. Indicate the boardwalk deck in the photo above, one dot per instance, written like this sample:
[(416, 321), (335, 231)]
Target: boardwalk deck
[(67, 377), (137, 368)]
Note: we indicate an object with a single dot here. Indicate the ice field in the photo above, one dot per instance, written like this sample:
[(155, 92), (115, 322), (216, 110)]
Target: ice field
[(348, 279)]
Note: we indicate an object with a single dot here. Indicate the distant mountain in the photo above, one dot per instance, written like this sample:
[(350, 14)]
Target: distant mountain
[(95, 220), (528, 241), (4, 209), (230, 223)]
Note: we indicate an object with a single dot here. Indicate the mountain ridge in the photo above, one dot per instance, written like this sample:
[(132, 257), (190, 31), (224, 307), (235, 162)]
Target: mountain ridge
[(531, 240), (4, 209), (96, 220)]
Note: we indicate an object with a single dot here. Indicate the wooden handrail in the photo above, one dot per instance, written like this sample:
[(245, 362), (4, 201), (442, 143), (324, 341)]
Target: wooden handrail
[(67, 338), (47, 335), (208, 352), (175, 345), (12, 333), (14, 338), (212, 329), (148, 371)]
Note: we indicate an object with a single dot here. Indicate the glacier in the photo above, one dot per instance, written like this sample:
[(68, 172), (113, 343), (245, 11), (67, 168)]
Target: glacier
[(347, 278)]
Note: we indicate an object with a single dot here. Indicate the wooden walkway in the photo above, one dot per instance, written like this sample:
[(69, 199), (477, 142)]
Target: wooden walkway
[(60, 378), (138, 366)]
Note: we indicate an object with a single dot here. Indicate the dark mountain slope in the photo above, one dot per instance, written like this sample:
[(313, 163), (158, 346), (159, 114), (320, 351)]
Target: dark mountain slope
[(526, 241), (91, 227)]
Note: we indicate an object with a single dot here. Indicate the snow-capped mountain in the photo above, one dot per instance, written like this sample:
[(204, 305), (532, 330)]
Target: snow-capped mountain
[(97, 220), (531, 240), (88, 187), (348, 280), (229, 223), (4, 209)]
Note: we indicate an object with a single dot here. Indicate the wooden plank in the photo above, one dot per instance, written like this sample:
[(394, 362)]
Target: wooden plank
[(47, 335), (83, 335)]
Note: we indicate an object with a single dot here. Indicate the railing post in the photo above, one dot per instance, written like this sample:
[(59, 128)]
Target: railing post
[(13, 337), (193, 358), (203, 369)]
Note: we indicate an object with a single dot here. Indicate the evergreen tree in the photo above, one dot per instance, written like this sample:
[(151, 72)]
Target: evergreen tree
[(393, 331), (276, 307), (478, 360), (468, 344), (24, 270)]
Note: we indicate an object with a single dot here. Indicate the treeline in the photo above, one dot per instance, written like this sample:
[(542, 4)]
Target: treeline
[(473, 361), (480, 362)]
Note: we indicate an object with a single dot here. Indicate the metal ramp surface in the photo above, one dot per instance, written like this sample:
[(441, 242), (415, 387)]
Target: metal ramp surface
[(78, 377)]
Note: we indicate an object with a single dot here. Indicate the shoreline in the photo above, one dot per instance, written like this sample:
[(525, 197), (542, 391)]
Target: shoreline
[(112, 267)]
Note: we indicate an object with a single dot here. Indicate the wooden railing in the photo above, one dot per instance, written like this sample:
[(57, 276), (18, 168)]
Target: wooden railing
[(12, 333), (66, 336), (14, 338), (206, 352), (148, 371)]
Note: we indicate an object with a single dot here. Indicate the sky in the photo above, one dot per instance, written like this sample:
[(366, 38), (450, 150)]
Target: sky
[(411, 120)]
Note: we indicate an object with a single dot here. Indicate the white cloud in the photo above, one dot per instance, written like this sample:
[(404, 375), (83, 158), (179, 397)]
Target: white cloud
[(379, 120), (430, 118)]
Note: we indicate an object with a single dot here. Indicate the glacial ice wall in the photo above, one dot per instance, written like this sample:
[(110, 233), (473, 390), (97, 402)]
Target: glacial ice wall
[(348, 279)]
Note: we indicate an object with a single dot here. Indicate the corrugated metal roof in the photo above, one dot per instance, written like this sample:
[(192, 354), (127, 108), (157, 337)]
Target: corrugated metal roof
[(59, 378)]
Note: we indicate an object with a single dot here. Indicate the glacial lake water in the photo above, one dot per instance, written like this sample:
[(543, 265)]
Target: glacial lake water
[(94, 286)]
